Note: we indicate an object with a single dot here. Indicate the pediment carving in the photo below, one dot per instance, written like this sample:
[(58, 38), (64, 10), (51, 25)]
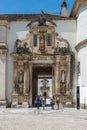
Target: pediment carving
[(42, 20), (41, 40), (61, 46), (22, 47)]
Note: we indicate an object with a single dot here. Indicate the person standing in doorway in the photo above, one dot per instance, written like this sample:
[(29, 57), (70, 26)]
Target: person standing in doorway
[(57, 102), (43, 102), (52, 102), (38, 102)]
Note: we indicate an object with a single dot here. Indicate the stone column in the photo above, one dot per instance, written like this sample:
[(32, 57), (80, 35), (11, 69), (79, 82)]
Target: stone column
[(68, 75), (30, 84), (53, 80), (57, 79), (2, 78), (15, 76), (57, 75), (26, 77), (15, 94)]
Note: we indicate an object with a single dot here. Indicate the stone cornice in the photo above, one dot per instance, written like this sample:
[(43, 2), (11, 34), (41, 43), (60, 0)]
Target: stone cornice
[(81, 45), (77, 5), (26, 17)]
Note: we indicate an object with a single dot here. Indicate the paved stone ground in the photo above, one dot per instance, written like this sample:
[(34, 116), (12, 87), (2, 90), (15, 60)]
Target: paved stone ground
[(33, 119)]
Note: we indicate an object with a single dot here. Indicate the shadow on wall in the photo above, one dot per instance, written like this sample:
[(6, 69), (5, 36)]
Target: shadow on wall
[(72, 70)]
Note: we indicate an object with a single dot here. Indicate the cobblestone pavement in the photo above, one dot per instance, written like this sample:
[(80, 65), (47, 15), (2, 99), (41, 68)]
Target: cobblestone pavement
[(33, 119)]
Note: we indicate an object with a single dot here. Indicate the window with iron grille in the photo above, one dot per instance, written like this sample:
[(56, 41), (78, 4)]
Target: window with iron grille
[(35, 40), (48, 39), (2, 34)]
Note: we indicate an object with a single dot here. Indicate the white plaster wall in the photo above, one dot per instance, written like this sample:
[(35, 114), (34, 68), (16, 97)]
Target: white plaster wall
[(82, 54), (16, 30), (83, 74), (67, 29), (82, 25), (2, 77)]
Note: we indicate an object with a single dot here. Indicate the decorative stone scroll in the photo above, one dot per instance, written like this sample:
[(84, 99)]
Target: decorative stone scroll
[(61, 47), (21, 48)]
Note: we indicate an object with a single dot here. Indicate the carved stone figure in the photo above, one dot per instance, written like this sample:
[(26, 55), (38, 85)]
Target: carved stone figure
[(63, 88), (20, 88), (18, 43), (63, 76), (44, 82), (56, 50), (42, 42), (21, 76), (21, 49), (42, 20)]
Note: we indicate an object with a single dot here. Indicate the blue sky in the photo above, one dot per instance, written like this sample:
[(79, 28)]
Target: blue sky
[(33, 6)]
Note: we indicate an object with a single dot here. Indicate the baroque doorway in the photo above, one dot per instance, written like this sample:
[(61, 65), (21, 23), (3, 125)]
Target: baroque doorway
[(41, 82)]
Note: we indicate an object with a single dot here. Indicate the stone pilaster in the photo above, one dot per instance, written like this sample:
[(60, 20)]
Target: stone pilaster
[(15, 76), (53, 80), (68, 75), (26, 77), (30, 84), (57, 76), (3, 77), (57, 79)]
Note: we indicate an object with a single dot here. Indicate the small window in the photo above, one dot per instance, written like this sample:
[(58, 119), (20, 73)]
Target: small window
[(35, 40), (48, 39), (2, 34)]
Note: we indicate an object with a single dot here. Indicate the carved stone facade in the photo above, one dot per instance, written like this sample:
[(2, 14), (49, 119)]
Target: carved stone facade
[(41, 49), (34, 47), (21, 80)]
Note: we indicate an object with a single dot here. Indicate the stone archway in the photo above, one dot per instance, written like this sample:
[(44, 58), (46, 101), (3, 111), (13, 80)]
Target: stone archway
[(41, 73)]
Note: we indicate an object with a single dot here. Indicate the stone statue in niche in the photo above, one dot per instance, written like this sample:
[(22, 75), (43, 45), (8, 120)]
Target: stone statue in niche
[(63, 87), (21, 76), (42, 42), (63, 76), (63, 81)]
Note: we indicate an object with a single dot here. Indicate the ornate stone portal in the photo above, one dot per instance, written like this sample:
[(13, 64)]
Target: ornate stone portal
[(42, 48), (21, 81)]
